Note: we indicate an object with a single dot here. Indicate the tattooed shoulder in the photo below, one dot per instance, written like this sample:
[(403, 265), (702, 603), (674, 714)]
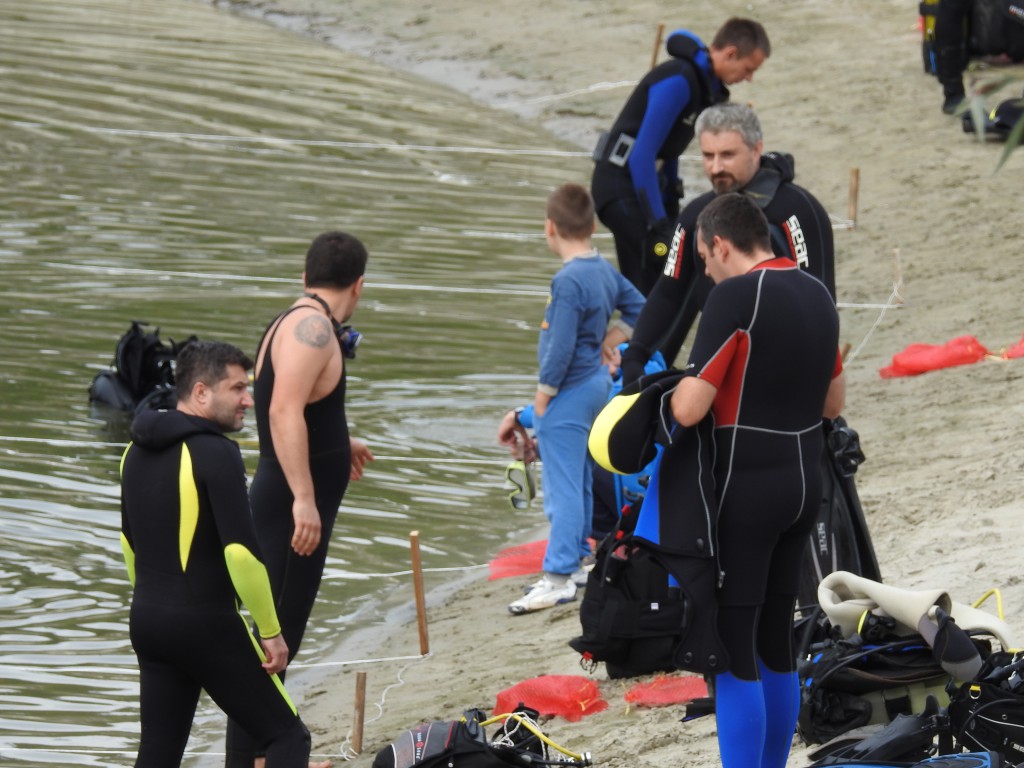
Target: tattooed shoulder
[(313, 331)]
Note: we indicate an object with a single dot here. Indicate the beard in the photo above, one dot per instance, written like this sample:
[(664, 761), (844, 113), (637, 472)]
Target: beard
[(724, 182)]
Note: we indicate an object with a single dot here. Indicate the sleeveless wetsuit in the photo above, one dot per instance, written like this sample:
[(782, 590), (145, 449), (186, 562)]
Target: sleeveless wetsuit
[(295, 579), (191, 552)]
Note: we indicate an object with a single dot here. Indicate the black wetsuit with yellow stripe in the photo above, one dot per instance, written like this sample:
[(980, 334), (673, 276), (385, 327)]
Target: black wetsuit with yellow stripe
[(192, 556)]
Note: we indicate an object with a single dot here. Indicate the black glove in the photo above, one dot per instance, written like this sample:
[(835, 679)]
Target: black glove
[(659, 240), (634, 359)]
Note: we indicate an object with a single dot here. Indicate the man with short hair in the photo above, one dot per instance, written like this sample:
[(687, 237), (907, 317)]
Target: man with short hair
[(766, 364), (636, 184), (307, 456), (192, 556), (732, 147)]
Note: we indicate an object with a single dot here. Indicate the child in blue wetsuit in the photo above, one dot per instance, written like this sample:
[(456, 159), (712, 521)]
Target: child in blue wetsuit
[(576, 344)]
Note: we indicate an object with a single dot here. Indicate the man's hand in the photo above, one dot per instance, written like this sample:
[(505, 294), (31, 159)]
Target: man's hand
[(306, 537), (611, 357), (276, 651), (507, 432), (360, 455), (513, 435)]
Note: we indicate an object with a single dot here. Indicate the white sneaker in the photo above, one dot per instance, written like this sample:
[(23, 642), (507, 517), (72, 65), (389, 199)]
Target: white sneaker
[(548, 591), (579, 576)]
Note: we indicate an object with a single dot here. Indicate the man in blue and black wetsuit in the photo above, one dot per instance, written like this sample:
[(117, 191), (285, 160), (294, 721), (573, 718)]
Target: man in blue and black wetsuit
[(636, 184), (192, 557), (731, 144), (766, 366)]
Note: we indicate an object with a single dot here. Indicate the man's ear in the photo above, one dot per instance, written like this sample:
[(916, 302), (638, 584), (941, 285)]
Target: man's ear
[(724, 247), (549, 228)]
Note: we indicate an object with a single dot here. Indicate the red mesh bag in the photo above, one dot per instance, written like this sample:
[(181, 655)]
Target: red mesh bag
[(920, 358), (570, 696), (1017, 350), (665, 690), (521, 560)]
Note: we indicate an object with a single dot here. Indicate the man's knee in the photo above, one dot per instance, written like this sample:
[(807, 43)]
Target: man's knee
[(291, 748)]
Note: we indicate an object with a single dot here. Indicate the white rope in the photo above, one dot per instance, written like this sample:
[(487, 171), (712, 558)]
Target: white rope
[(603, 86), (895, 300), (392, 286), (219, 137)]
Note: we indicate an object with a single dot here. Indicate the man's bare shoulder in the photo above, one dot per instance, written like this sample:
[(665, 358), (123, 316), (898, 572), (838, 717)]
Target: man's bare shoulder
[(307, 329)]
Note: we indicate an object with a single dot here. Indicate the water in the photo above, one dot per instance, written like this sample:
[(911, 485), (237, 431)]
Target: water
[(169, 162)]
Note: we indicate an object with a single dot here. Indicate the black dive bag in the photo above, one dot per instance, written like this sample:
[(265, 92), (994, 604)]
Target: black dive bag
[(840, 540)]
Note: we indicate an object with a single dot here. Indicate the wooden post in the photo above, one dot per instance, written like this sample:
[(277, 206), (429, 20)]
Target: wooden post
[(358, 719), (657, 45), (417, 580), (854, 191)]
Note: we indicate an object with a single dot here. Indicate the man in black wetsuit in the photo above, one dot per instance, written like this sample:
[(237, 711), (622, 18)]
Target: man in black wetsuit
[(192, 555), (636, 184), (765, 364), (970, 29), (732, 150), (306, 454)]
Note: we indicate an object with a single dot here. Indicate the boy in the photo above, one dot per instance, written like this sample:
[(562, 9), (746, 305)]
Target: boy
[(576, 345)]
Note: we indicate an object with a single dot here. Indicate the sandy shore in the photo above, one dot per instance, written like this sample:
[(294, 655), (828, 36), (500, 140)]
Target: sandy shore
[(943, 485)]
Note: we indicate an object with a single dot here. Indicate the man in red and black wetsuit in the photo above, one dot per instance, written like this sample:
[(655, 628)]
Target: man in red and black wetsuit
[(732, 148), (766, 366)]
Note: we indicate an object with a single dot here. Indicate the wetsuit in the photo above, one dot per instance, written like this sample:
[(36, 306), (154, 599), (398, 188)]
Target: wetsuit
[(635, 198), (295, 578), (768, 341), (191, 552), (800, 229)]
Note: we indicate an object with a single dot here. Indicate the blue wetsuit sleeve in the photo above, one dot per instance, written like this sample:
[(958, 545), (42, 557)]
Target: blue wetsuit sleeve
[(562, 321), (666, 100)]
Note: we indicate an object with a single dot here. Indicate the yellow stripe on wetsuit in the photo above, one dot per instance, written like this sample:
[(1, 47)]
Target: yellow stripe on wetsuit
[(188, 504)]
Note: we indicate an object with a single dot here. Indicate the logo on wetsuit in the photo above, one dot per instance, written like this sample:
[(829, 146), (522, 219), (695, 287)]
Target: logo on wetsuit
[(797, 244), (678, 237)]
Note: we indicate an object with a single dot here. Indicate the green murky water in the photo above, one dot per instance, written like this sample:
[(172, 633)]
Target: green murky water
[(169, 162)]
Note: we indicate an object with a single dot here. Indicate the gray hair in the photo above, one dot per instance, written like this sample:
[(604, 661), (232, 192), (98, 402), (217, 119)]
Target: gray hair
[(731, 117)]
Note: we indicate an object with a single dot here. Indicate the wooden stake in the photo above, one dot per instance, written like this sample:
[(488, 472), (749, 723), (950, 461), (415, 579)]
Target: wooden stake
[(417, 580), (854, 191), (358, 719), (657, 45)]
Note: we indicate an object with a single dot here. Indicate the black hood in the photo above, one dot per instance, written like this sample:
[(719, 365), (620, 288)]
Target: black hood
[(776, 169), (781, 162), (158, 430)]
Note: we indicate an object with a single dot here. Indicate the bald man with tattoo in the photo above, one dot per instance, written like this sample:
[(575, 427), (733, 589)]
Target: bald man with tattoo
[(306, 454)]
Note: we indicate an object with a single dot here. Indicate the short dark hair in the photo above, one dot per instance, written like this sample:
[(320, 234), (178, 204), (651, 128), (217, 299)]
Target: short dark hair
[(205, 361), (747, 35), (335, 260), (736, 218), (571, 210)]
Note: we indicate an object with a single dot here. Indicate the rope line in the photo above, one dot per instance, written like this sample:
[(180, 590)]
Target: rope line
[(373, 145), (895, 301), (387, 286)]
